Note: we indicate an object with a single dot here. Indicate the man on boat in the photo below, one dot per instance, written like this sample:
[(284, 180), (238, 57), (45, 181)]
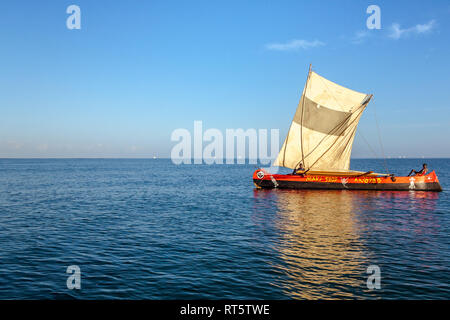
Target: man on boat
[(421, 172), (300, 170)]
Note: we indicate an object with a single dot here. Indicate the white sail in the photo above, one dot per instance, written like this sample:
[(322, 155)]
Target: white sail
[(324, 126)]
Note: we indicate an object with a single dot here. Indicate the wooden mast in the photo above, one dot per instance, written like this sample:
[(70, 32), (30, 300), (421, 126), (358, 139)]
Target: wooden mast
[(301, 121)]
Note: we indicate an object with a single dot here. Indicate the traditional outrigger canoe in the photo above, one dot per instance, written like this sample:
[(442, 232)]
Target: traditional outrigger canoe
[(319, 144)]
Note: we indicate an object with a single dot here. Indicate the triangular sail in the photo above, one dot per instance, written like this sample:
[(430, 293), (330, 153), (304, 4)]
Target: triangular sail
[(324, 126)]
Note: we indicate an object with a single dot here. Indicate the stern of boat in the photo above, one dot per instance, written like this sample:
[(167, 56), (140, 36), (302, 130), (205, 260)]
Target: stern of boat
[(431, 181)]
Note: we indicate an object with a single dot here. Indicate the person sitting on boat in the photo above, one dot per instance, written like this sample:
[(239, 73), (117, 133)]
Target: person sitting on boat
[(300, 170), (421, 172)]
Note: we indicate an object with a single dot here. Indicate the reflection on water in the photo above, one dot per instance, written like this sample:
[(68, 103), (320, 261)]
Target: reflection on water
[(322, 237), (143, 229)]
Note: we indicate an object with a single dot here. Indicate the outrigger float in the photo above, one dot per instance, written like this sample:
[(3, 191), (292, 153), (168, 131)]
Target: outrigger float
[(319, 144)]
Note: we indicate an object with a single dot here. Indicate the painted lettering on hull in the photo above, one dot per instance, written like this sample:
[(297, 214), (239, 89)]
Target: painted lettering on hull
[(344, 181)]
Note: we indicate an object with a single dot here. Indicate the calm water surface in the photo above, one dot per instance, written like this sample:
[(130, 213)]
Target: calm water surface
[(147, 229)]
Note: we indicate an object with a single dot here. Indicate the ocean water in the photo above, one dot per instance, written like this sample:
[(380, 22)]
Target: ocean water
[(148, 229)]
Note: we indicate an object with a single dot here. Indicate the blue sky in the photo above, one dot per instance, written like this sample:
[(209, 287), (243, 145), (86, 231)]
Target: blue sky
[(137, 70)]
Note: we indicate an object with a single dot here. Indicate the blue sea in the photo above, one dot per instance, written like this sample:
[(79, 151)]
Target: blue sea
[(149, 229)]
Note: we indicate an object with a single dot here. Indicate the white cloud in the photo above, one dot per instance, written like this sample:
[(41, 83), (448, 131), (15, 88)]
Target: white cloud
[(294, 45), (360, 36), (397, 32)]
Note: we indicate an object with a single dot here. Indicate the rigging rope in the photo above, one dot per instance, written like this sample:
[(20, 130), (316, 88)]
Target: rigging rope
[(379, 139), (360, 133), (351, 134), (337, 127)]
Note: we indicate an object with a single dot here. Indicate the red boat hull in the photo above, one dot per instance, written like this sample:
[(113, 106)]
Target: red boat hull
[(263, 179)]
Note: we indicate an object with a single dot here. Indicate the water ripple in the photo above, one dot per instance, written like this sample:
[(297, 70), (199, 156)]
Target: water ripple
[(146, 229)]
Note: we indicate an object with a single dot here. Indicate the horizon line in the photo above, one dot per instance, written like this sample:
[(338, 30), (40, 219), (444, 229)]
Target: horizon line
[(151, 158)]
